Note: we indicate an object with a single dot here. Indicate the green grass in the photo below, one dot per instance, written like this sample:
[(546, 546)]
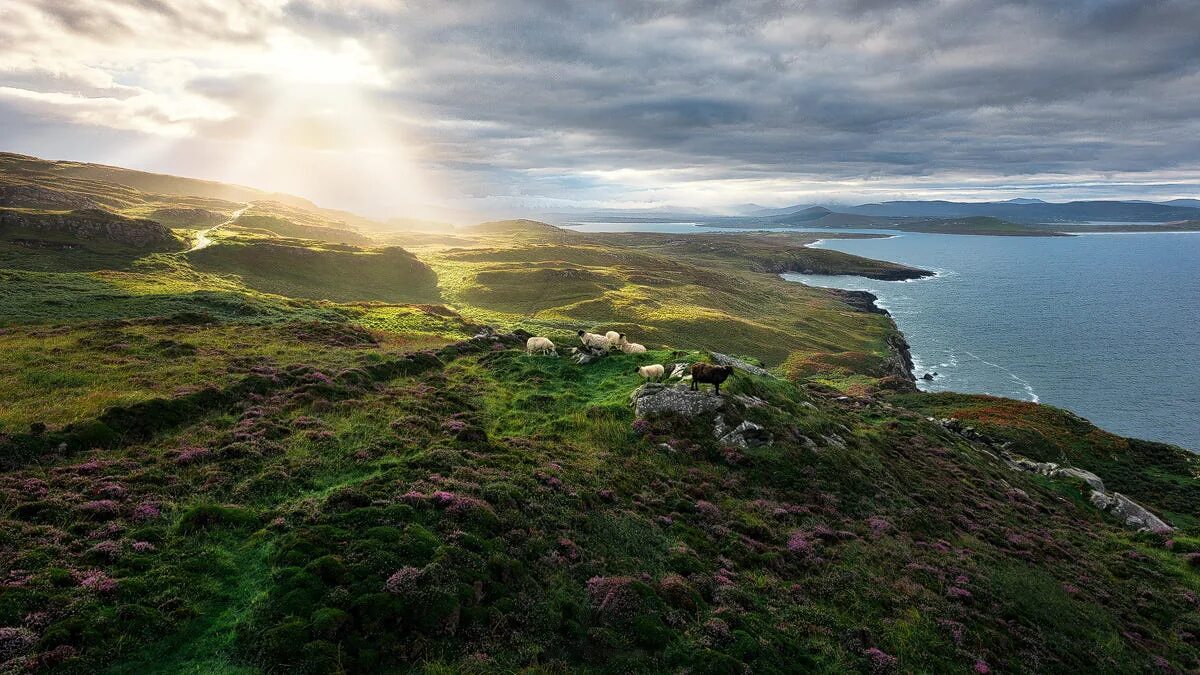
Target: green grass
[(526, 522), (322, 273)]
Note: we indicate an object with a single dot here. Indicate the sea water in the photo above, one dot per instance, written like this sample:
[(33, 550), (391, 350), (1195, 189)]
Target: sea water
[(1106, 325)]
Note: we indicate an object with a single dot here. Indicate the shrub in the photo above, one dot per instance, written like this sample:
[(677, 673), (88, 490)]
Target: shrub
[(212, 516)]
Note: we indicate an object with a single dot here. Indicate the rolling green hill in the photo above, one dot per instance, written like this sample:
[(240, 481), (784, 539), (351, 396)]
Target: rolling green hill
[(283, 454)]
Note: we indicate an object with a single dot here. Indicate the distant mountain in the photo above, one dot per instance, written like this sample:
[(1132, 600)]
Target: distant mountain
[(763, 211), (1023, 200), (1034, 211), (805, 215), (1189, 203)]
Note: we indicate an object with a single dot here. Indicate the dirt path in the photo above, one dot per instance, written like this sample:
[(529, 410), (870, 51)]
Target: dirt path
[(203, 240)]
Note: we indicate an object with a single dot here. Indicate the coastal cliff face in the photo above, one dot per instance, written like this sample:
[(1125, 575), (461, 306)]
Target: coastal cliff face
[(900, 363), (94, 225), (898, 366)]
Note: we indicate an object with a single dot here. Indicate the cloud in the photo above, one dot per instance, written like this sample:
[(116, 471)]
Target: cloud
[(612, 101)]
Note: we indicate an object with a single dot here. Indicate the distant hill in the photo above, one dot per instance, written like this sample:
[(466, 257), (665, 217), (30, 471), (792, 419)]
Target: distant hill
[(1032, 212), (39, 183), (507, 226), (809, 214)]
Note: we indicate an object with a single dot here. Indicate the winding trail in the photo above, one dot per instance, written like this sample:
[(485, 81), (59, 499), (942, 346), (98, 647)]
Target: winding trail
[(203, 240)]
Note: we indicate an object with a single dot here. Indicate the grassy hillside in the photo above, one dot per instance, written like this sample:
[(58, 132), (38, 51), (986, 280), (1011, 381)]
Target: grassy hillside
[(294, 268), (280, 454)]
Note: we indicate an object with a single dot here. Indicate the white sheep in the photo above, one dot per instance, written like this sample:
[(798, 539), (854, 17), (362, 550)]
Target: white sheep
[(632, 348), (593, 341), (615, 339), (540, 345), (647, 372)]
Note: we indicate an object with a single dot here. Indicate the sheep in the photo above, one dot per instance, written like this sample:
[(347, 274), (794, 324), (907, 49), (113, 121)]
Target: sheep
[(615, 339), (540, 345), (633, 348), (655, 371), (593, 341), (707, 372)]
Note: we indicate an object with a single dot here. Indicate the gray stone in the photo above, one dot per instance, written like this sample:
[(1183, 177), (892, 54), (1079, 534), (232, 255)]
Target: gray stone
[(1129, 512), (726, 360), (654, 398), (1068, 472), (750, 401), (748, 435), (834, 440)]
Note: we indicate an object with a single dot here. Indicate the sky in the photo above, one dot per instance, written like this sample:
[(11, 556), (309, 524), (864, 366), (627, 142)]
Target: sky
[(422, 109)]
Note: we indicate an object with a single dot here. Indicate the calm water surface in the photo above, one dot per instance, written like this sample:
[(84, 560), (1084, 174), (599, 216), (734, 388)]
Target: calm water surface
[(1106, 325)]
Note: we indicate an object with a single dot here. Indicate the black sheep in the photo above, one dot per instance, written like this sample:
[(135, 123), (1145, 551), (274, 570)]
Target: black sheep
[(711, 374)]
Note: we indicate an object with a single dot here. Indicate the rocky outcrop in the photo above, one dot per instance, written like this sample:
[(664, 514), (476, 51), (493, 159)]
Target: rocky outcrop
[(654, 398), (745, 435), (899, 363), (863, 301), (734, 362), (1129, 512), (91, 225)]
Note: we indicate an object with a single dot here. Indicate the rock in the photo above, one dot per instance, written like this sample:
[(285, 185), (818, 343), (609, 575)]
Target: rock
[(654, 398), (750, 401), (899, 362), (1129, 512), (835, 441), (585, 355), (1088, 477), (928, 377), (748, 435), (677, 370), (726, 360)]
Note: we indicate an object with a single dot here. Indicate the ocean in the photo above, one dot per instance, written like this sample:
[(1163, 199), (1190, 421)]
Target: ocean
[(1105, 325)]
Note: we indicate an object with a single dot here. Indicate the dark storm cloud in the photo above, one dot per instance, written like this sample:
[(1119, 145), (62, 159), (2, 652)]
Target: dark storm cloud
[(818, 88), (521, 95)]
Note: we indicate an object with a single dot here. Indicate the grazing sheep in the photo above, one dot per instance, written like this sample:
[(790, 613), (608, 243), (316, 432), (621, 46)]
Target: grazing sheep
[(655, 371), (593, 341), (632, 348), (540, 345), (707, 372), (615, 339)]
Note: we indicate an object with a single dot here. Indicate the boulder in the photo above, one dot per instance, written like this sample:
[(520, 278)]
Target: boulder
[(726, 360), (654, 398), (1129, 512), (585, 355), (1088, 477), (747, 435)]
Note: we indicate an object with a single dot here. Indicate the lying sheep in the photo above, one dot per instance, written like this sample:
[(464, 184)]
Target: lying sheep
[(711, 374), (593, 341), (632, 348), (540, 345), (655, 371), (615, 339)]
